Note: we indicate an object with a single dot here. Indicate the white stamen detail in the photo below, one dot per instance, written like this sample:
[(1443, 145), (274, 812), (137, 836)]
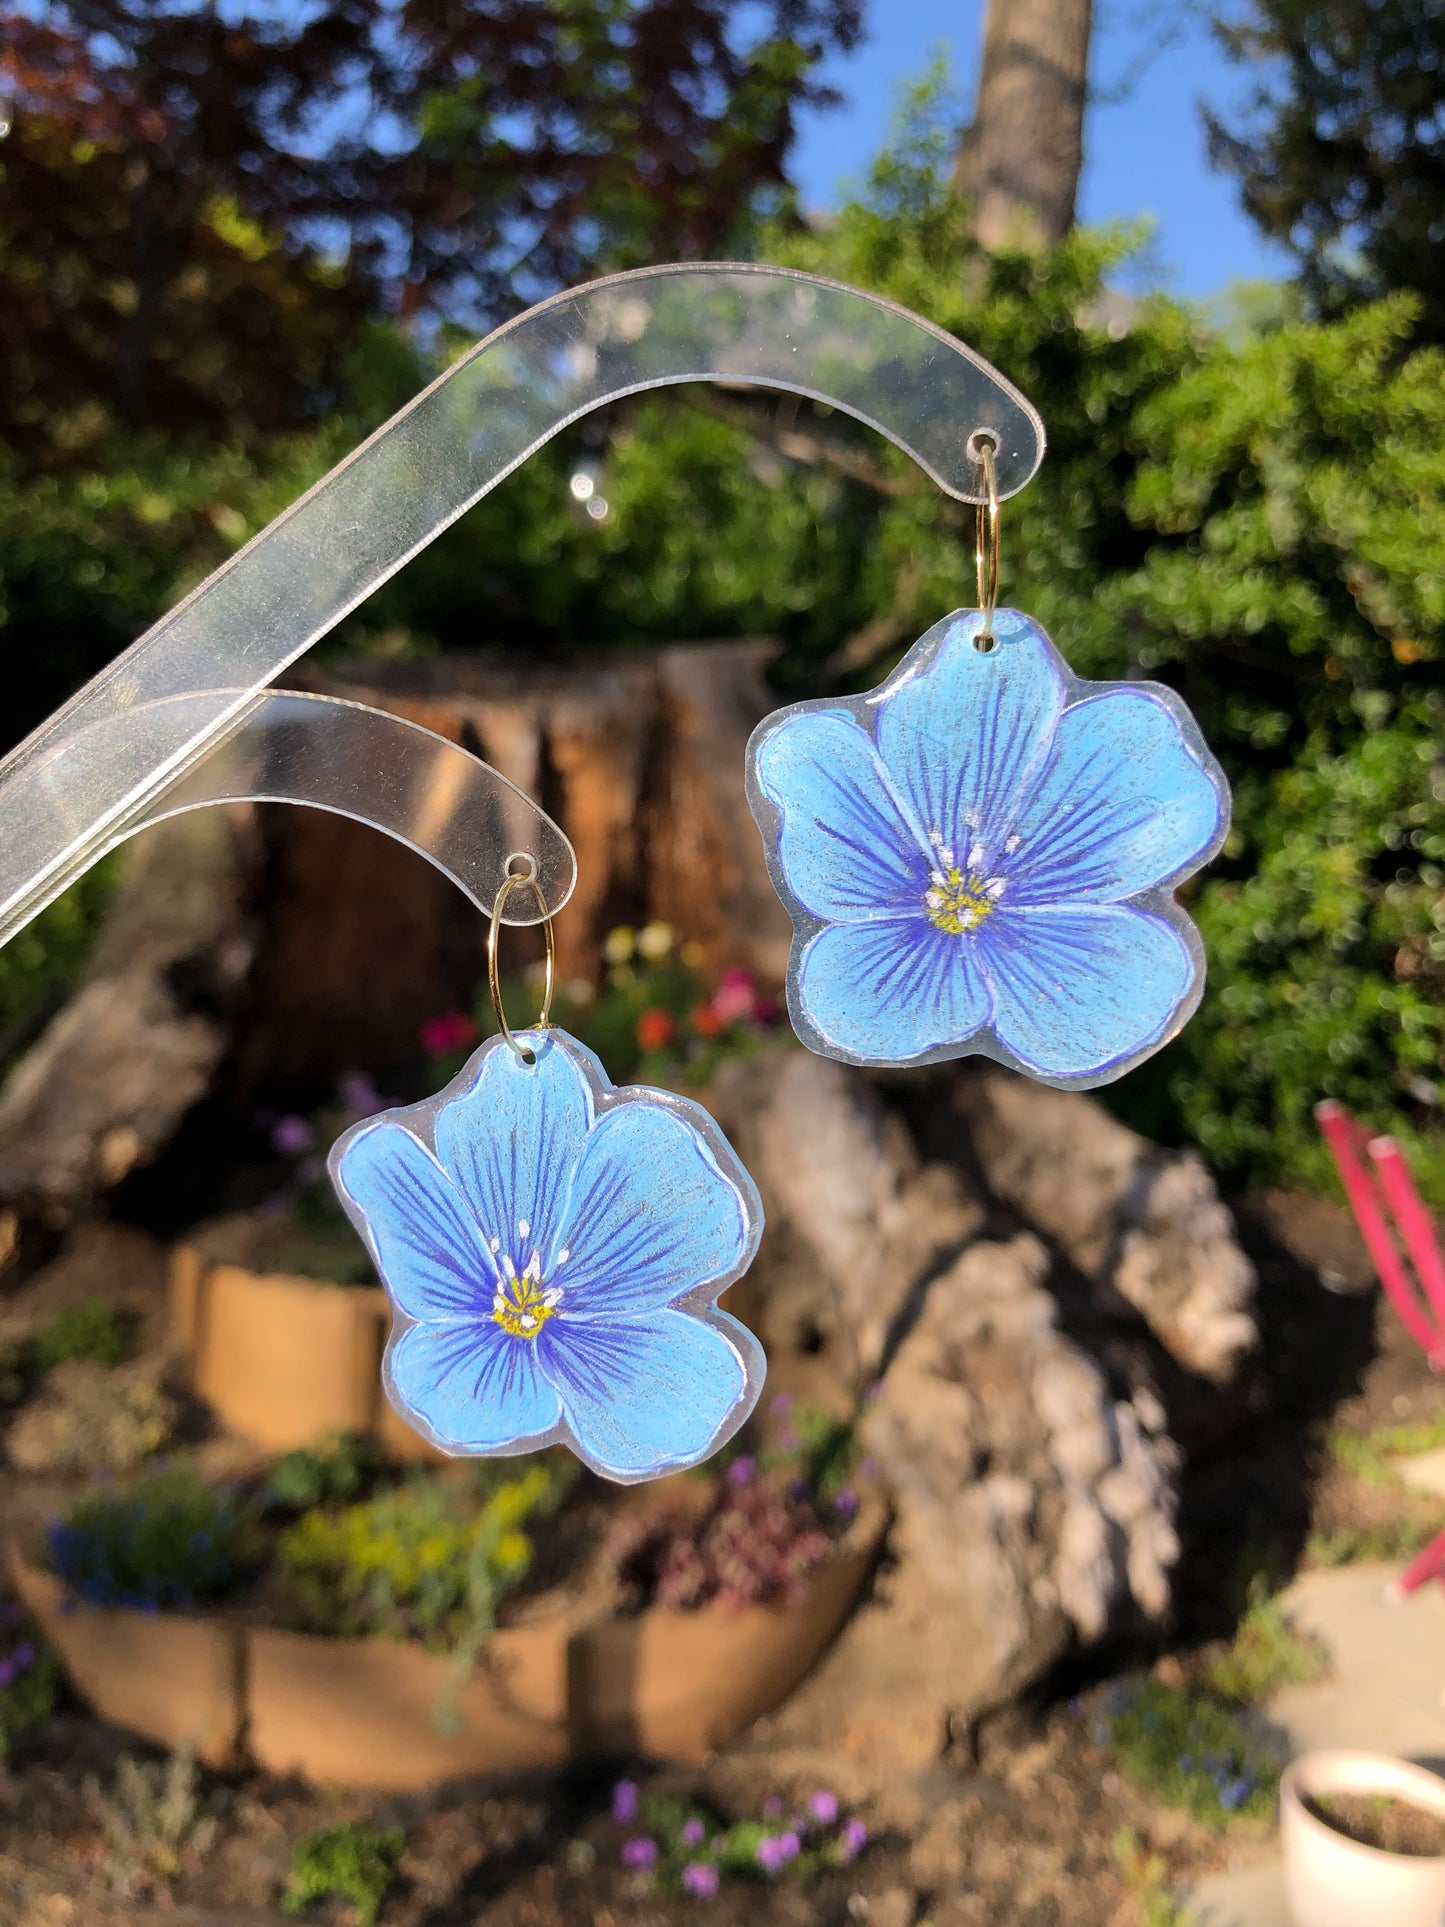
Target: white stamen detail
[(527, 1321), (508, 1266), (534, 1268), (494, 1244), (553, 1297), (995, 887), (524, 1230), (499, 1301), (564, 1254), (975, 857), (1011, 843), (946, 854), (937, 876), (935, 837), (973, 818), (933, 899), (968, 918)]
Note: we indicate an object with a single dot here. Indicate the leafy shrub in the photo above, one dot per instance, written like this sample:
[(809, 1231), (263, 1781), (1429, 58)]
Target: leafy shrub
[(1268, 1651), (327, 1474), (92, 1331), (29, 1677), (171, 1544), (1189, 1750), (345, 1862), (152, 1822), (426, 1560)]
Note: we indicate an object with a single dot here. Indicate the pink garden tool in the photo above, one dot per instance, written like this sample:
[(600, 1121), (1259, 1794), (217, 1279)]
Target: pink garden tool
[(1389, 1211)]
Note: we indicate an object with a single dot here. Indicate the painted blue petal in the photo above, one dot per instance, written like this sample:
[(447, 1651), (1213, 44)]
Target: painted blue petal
[(849, 850), (643, 1397), (1077, 990), (1123, 805), (429, 1247), (477, 1387), (651, 1216), (964, 738), (511, 1143), (888, 992)]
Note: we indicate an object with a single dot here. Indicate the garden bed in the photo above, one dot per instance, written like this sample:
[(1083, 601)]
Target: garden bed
[(365, 1628)]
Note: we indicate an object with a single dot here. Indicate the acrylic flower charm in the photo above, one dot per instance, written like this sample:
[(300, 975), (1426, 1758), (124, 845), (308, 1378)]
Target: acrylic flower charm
[(553, 1249), (980, 856)]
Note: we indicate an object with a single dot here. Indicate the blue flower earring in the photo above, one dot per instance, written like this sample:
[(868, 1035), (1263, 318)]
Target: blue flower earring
[(553, 1249), (980, 856)]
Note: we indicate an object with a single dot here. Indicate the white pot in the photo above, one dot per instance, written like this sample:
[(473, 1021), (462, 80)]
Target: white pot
[(1335, 1882)]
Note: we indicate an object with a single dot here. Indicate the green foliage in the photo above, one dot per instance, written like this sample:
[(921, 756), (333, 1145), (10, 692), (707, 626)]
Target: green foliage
[(92, 1331), (1371, 1455), (29, 1680), (428, 1559), (1254, 515), (346, 1862), (171, 1544), (1146, 1875), (1340, 149), (1388, 1542), (1268, 1651), (39, 966), (152, 1821), (1191, 1750), (332, 1473)]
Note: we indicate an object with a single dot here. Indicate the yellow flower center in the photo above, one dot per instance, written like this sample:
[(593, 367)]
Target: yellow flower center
[(520, 1305), (957, 900)]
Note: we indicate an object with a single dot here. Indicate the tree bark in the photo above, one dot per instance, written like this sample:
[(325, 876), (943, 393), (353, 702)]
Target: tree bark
[(1019, 162)]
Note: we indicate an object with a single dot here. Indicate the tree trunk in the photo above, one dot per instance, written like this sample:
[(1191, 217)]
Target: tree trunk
[(1019, 162)]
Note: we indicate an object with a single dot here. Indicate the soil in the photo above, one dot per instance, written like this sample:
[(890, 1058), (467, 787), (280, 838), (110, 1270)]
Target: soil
[(1382, 1821)]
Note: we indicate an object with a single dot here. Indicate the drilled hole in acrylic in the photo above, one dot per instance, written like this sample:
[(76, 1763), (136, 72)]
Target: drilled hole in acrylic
[(985, 642), (523, 865), (980, 440)]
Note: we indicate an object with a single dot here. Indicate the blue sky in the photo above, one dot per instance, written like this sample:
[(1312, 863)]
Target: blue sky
[(1144, 154)]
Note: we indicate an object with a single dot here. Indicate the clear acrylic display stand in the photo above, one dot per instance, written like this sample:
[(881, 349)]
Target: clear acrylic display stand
[(185, 718)]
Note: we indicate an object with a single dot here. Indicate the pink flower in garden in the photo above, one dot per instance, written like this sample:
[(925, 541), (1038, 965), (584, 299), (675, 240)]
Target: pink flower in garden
[(360, 1096), (741, 1471), (700, 1880), (291, 1136), (736, 997), (824, 1807), (639, 1851), (772, 1807), (624, 1802), (453, 1030), (692, 1833)]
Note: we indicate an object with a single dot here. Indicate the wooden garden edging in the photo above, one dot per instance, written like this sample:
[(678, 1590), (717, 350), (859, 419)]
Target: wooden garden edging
[(284, 1360), (363, 1712)]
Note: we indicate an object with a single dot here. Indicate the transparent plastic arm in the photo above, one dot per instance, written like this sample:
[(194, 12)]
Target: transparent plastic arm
[(414, 785), (100, 765)]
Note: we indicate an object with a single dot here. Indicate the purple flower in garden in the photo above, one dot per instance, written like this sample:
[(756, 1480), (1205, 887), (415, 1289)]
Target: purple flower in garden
[(789, 1846), (770, 1855), (639, 1851), (782, 1404), (846, 1503), (772, 1807), (360, 1095), (741, 1471), (7, 1671), (291, 1136), (624, 1802), (22, 1657), (869, 1469), (700, 1880), (852, 1840), (692, 1833), (824, 1807)]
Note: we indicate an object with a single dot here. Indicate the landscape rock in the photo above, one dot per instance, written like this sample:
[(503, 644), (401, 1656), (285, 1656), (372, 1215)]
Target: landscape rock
[(970, 1302), (109, 1079), (1145, 1226)]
